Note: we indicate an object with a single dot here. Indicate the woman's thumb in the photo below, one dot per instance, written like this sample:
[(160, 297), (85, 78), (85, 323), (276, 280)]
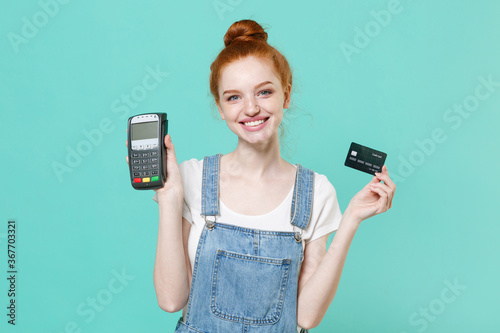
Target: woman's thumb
[(168, 142)]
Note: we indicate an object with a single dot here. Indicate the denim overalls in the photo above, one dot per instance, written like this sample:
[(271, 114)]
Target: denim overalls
[(245, 280)]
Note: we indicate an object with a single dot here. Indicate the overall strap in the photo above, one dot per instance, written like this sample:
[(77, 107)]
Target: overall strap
[(303, 191), (210, 186)]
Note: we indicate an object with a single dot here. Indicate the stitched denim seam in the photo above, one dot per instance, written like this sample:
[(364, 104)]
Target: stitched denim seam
[(305, 193), (195, 271), (297, 203), (256, 243), (293, 211), (190, 327), (214, 280), (298, 222), (273, 320), (217, 187), (310, 197), (307, 211), (204, 189), (283, 292), (272, 261), (212, 187), (268, 233)]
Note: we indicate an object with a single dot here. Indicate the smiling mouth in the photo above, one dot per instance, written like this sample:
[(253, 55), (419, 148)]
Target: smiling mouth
[(254, 123)]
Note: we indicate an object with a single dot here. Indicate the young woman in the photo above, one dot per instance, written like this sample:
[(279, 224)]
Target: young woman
[(242, 237)]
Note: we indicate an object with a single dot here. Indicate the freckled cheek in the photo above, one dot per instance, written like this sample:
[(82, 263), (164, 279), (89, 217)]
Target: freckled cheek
[(232, 113), (271, 106)]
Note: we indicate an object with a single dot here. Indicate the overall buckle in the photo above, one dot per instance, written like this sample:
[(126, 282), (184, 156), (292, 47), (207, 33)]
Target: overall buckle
[(210, 224), (298, 234)]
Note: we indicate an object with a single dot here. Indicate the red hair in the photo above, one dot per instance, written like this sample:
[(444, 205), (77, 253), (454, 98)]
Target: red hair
[(243, 39)]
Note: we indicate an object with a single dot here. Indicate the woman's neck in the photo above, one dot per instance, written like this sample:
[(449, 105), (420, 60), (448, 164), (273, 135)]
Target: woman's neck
[(257, 160)]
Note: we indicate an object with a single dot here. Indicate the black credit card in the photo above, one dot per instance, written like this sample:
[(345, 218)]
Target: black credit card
[(365, 159)]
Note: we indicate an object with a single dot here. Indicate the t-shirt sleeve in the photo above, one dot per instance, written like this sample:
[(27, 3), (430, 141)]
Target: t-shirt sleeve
[(326, 214), (188, 170)]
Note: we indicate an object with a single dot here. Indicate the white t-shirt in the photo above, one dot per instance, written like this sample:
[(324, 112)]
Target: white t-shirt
[(325, 215)]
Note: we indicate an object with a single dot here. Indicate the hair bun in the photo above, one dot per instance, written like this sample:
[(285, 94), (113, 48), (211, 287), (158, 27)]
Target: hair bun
[(244, 31)]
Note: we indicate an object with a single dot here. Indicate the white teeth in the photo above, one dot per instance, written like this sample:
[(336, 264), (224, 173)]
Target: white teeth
[(254, 123)]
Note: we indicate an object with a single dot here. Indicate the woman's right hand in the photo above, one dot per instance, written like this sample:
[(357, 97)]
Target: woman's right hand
[(173, 183)]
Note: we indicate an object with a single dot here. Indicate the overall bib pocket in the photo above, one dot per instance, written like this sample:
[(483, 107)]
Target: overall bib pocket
[(248, 289)]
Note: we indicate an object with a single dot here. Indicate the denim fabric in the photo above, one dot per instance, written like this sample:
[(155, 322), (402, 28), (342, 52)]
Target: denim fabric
[(302, 197), (210, 193), (245, 280)]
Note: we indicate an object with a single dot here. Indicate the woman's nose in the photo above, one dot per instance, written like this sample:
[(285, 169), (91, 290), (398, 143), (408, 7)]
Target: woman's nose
[(251, 107)]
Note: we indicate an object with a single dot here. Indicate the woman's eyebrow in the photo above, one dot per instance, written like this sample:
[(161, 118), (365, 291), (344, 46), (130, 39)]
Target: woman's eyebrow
[(263, 84), (230, 92), (256, 87)]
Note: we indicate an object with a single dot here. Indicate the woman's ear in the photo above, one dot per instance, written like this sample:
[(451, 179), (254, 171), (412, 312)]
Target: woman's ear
[(220, 110), (288, 93)]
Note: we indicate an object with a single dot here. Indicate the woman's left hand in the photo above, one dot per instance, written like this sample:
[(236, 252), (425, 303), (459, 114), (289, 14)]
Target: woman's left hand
[(374, 198)]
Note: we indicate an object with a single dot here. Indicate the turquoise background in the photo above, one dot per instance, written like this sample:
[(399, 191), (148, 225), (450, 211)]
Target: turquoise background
[(77, 230)]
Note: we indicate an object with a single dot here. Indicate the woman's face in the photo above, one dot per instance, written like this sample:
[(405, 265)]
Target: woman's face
[(251, 99)]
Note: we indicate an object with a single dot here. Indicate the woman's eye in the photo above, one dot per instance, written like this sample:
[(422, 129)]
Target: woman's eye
[(266, 92), (232, 98)]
